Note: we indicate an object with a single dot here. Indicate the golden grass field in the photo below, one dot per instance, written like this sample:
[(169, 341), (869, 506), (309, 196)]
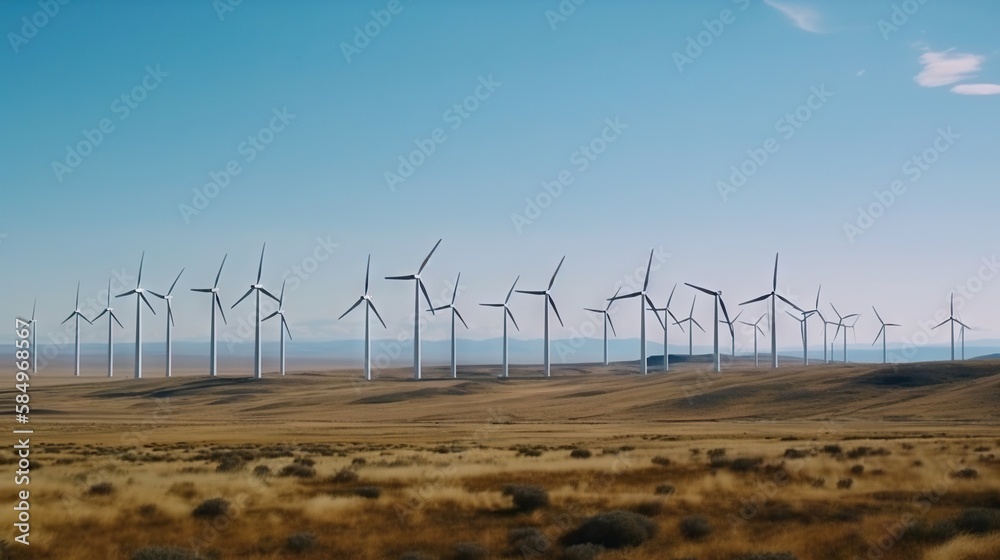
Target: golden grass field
[(819, 463)]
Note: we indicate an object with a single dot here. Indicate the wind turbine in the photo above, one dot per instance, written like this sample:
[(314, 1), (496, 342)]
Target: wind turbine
[(718, 303), (643, 300), (140, 298), (732, 331), (170, 321), (826, 324), (548, 302), (774, 316), (667, 315), (840, 323), (216, 304), (756, 328), (257, 288), (692, 323), (366, 298), (607, 321), (417, 289), (803, 322), (951, 319), (506, 313), (282, 328), (883, 332), (112, 319), (805, 327), (78, 315), (454, 313), (34, 347)]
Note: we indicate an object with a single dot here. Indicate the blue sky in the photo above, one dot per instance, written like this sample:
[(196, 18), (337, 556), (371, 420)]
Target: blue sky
[(642, 126)]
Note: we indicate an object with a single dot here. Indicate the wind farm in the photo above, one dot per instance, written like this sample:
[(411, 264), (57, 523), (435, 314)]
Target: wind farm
[(430, 237)]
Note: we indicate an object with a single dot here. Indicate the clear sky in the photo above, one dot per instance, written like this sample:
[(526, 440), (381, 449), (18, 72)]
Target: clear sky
[(287, 122)]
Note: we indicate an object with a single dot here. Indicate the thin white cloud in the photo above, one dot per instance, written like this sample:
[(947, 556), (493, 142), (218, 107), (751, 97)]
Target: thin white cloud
[(947, 67), (860, 73), (977, 89), (806, 19)]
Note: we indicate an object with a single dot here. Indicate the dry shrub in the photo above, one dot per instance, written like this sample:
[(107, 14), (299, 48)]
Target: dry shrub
[(297, 470), (967, 473), (695, 527), (370, 492), (582, 552), (469, 551), (613, 529), (580, 454), (526, 498), (528, 542), (165, 553), (665, 489), (101, 489), (845, 483), (300, 542), (661, 461), (212, 508)]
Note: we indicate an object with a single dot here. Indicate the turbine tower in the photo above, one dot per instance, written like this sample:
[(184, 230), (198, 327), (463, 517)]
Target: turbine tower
[(34, 347), (883, 332), (549, 302), (718, 303), (417, 289), (951, 319), (257, 288), (112, 319), (643, 300), (826, 324), (732, 331), (840, 323), (607, 321), (667, 315), (282, 328), (506, 313), (170, 321), (774, 316), (78, 315), (140, 298), (366, 298), (454, 313), (692, 323), (216, 304), (756, 328)]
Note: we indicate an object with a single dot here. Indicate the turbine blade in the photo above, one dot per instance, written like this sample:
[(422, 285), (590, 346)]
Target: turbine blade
[(649, 267), (113, 316), (671, 298), (693, 300), (101, 314), (878, 335), (695, 321), (269, 294), (424, 290), (219, 274), (71, 315), (218, 301), (454, 293), (553, 280), (511, 315), (755, 300), (673, 317), (357, 303), (877, 315), (423, 264), (492, 304), (818, 290), (161, 296), (626, 296), (368, 270), (175, 282), (142, 296), (653, 309), (552, 302), (786, 300), (170, 315), (511, 289), (898, 325), (250, 291), (532, 292), (963, 324), (269, 316), (203, 290), (372, 305), (35, 303), (84, 317), (260, 267), (435, 309), (281, 297), (725, 313), (837, 312), (593, 310), (407, 277), (608, 306), (774, 286), (284, 324), (78, 295), (459, 315), (699, 288), (138, 280)]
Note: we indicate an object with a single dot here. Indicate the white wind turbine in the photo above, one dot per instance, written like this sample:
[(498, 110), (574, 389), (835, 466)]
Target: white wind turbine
[(718, 303), (112, 319), (216, 304), (34, 347), (667, 315), (756, 327), (454, 313), (417, 289), (802, 332), (506, 313), (826, 324), (805, 327), (732, 331), (257, 288), (140, 298), (951, 319), (774, 295), (282, 328), (643, 301), (366, 298), (549, 302), (168, 297), (840, 323), (607, 321), (692, 323), (883, 332), (78, 315)]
